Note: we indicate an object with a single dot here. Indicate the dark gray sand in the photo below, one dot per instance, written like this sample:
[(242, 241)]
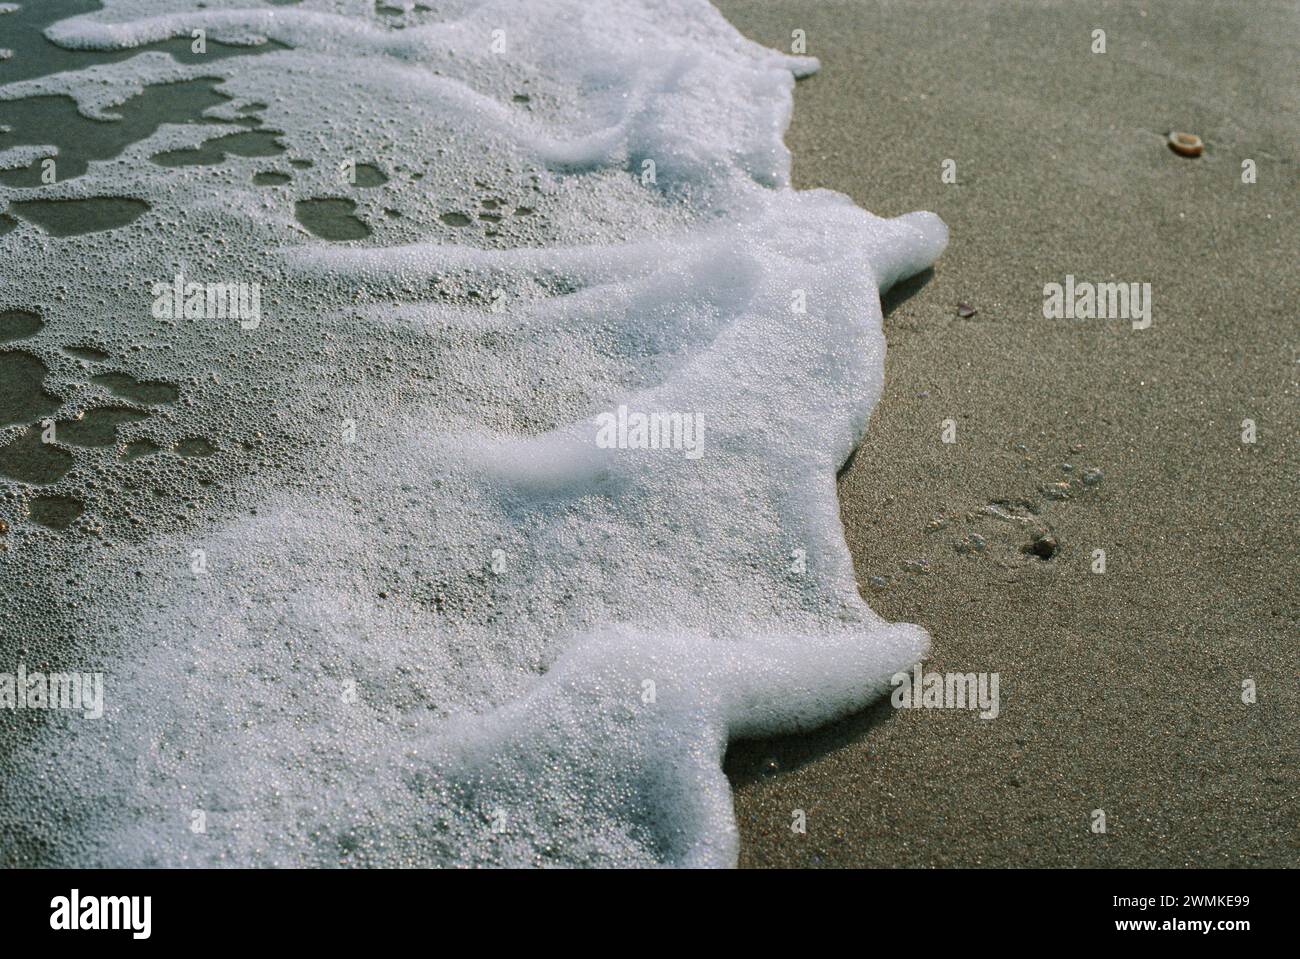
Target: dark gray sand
[(1120, 691)]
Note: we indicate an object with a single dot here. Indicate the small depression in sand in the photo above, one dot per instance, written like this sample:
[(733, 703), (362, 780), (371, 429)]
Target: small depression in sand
[(19, 324), (249, 143), (193, 446), (139, 391), (78, 217), (80, 140), (331, 218), (55, 512), (23, 397), (98, 426), (138, 449), (90, 354), (368, 175), (29, 460)]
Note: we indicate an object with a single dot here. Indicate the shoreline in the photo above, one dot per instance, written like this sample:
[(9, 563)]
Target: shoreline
[(1121, 691)]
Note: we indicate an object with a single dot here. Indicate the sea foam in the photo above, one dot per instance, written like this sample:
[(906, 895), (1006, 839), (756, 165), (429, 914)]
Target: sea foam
[(438, 622)]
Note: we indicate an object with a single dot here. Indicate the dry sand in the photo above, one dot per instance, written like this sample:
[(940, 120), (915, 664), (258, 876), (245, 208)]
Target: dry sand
[(1120, 691)]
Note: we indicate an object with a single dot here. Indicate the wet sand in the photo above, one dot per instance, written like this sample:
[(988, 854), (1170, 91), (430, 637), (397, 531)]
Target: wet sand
[(1120, 691)]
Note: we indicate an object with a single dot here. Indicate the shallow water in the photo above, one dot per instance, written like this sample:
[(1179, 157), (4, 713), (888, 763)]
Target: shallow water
[(368, 583)]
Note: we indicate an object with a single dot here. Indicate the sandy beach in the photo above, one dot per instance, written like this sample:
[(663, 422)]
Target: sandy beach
[(1121, 691), (1098, 512)]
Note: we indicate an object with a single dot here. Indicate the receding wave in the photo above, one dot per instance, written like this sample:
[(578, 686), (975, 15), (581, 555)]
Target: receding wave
[(517, 497)]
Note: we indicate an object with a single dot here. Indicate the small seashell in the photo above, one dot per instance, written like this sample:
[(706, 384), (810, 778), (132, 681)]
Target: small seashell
[(1057, 490), (966, 311), (1043, 545), (1186, 144)]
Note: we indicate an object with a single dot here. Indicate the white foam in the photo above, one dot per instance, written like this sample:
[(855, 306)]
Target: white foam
[(498, 588)]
